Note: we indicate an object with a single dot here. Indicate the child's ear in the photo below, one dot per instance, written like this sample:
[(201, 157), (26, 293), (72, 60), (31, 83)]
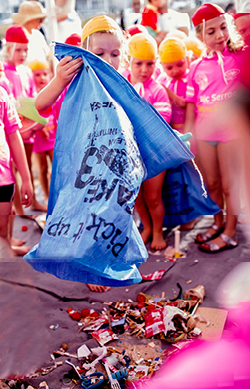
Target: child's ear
[(9, 47), (200, 36)]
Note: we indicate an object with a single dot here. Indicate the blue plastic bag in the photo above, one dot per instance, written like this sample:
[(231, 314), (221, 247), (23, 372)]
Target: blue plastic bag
[(108, 141), (184, 196)]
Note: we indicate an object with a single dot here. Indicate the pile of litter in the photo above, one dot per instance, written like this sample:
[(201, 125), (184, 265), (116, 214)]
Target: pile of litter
[(133, 340)]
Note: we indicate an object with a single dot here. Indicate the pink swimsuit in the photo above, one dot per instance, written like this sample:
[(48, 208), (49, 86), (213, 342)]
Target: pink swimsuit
[(155, 94), (179, 87), (9, 123), (21, 80), (21, 83), (42, 143), (210, 84)]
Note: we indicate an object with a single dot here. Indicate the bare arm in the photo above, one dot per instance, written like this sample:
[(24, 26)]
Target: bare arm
[(178, 100), (20, 160), (65, 72), (190, 118)]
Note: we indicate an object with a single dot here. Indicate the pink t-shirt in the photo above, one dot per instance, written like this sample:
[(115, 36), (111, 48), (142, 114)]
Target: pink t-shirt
[(155, 94), (179, 87), (9, 123), (21, 80), (21, 83), (42, 143), (210, 84), (4, 82)]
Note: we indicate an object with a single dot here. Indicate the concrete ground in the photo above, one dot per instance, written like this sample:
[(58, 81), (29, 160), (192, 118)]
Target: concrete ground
[(32, 302)]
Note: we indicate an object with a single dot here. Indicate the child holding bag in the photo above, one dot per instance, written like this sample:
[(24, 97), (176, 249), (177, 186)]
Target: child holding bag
[(111, 157), (103, 37)]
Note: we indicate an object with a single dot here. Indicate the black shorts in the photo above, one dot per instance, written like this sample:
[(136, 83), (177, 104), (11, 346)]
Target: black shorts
[(7, 193)]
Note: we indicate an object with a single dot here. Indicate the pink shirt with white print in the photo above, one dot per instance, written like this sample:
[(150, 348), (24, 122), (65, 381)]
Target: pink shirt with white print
[(22, 83), (179, 87), (4, 82), (9, 123), (21, 80), (211, 83), (155, 94)]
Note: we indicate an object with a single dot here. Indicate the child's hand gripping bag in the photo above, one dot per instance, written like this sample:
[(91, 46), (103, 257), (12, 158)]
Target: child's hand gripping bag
[(108, 141)]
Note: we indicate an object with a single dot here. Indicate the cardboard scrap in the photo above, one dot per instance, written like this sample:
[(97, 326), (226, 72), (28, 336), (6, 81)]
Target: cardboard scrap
[(216, 319), (137, 351)]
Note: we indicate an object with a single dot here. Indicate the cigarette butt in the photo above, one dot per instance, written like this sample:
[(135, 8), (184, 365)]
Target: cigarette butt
[(109, 320)]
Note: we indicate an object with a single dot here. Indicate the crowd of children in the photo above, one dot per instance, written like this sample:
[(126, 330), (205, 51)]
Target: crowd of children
[(186, 79)]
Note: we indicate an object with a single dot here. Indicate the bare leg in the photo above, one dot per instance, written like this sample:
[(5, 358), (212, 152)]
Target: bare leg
[(43, 172), (5, 212), (152, 192), (230, 172), (212, 177), (14, 241), (143, 212), (188, 226), (17, 195), (36, 206), (50, 154)]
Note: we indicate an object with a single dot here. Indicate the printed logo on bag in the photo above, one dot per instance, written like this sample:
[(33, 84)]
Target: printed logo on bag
[(123, 162), (110, 172)]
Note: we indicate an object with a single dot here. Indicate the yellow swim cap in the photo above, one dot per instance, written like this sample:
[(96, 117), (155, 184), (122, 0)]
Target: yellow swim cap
[(142, 46), (36, 64), (177, 34), (99, 23), (195, 45), (172, 50)]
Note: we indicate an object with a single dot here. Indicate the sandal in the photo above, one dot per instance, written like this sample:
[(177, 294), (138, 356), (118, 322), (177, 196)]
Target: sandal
[(214, 248), (205, 236)]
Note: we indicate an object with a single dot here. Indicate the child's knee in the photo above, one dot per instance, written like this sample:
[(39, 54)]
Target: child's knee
[(153, 200)]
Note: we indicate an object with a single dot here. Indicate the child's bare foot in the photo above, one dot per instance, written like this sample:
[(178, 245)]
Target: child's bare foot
[(20, 251), (158, 242), (146, 234), (98, 288), (5, 249), (189, 226), (17, 242), (36, 206)]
